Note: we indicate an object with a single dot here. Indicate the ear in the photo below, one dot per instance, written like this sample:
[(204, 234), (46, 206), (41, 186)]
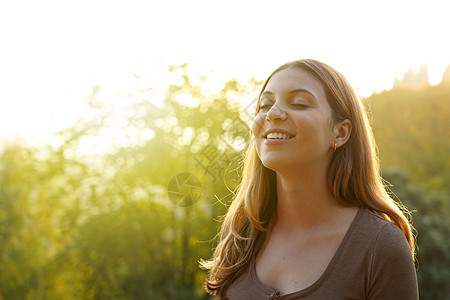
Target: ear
[(342, 132)]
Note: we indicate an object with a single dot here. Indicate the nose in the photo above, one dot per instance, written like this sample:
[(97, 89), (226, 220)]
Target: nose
[(275, 113)]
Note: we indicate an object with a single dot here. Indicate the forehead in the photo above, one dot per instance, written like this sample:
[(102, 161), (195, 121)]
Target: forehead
[(291, 79)]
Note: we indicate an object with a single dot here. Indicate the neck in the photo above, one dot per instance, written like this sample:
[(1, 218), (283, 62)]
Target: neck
[(304, 201)]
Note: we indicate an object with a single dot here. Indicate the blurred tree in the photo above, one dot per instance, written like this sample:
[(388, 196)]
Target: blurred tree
[(197, 139), (431, 213), (411, 130), (38, 203)]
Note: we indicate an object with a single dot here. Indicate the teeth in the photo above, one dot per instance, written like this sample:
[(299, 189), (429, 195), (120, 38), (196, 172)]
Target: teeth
[(274, 135)]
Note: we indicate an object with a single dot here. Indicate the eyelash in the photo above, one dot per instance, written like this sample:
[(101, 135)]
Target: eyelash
[(300, 105), (267, 106)]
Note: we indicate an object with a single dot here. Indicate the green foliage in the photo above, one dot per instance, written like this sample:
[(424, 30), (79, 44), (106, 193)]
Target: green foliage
[(431, 214), (76, 227), (411, 130)]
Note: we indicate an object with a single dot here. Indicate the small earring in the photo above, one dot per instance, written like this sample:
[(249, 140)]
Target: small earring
[(335, 146)]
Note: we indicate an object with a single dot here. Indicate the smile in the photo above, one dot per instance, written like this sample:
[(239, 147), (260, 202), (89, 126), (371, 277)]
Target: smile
[(278, 136)]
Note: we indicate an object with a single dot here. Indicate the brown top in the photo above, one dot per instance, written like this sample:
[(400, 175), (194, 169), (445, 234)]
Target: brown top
[(373, 261)]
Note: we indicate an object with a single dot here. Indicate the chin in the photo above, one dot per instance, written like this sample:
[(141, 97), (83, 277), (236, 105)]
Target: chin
[(275, 164)]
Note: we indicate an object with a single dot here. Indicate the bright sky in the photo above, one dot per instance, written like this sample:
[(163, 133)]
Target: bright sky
[(52, 52)]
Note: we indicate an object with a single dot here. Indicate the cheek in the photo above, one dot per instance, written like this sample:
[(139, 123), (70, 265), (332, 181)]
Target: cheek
[(257, 132), (257, 125)]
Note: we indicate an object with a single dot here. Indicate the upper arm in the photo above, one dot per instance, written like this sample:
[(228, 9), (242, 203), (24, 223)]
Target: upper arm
[(393, 274)]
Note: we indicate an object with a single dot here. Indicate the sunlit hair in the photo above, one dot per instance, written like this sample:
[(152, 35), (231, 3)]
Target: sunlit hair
[(353, 178)]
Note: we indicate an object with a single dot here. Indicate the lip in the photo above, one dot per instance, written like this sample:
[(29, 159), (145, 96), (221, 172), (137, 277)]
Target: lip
[(277, 141), (278, 130)]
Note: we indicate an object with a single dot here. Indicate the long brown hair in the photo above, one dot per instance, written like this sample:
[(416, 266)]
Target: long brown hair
[(353, 178)]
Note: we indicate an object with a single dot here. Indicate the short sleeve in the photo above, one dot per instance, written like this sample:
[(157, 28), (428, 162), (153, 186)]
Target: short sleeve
[(393, 274)]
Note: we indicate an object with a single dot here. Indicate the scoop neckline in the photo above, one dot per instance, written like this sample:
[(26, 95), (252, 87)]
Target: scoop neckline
[(314, 286)]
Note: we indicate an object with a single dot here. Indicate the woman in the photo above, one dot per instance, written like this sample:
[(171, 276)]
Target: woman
[(312, 219)]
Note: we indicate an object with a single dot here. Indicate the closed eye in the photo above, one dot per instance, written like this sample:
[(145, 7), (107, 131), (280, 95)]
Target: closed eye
[(300, 105), (265, 107)]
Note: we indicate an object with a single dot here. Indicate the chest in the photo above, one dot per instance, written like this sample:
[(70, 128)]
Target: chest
[(292, 264)]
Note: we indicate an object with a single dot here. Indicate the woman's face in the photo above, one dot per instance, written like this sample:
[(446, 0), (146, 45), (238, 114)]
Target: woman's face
[(293, 127)]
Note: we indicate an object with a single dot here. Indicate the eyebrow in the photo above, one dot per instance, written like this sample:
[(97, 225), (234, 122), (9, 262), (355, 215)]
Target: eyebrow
[(291, 92)]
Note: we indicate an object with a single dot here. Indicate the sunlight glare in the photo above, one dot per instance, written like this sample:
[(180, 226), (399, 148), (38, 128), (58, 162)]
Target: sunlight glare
[(52, 59), (156, 96), (187, 99)]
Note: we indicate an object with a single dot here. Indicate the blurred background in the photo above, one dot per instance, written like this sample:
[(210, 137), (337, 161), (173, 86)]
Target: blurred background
[(123, 127)]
